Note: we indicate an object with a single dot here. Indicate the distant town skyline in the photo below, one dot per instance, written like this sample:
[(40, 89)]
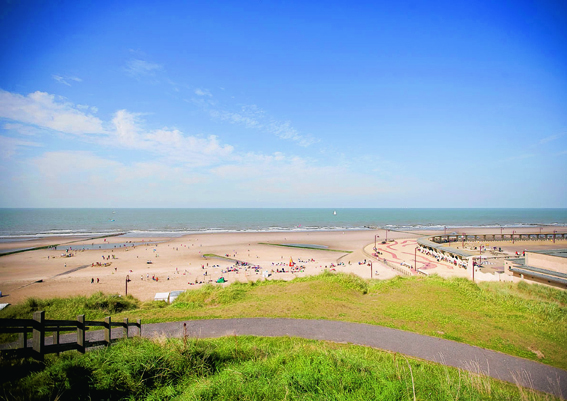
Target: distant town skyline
[(295, 104)]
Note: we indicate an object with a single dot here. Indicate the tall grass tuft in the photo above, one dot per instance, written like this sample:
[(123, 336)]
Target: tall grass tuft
[(348, 281), (211, 295), (96, 306)]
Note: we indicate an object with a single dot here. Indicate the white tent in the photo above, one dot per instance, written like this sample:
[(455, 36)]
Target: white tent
[(162, 296)]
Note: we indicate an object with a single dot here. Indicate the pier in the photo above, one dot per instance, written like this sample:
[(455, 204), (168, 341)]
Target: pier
[(448, 238)]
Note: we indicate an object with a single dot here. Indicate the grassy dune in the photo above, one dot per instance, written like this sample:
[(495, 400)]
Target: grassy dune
[(245, 368), (519, 319), (524, 320)]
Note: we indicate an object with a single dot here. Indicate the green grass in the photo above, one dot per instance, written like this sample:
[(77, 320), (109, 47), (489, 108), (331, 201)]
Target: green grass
[(305, 247), (245, 368), (214, 255), (521, 320), (524, 320)]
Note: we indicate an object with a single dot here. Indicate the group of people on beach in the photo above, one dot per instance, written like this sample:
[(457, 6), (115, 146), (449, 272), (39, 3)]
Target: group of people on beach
[(440, 257)]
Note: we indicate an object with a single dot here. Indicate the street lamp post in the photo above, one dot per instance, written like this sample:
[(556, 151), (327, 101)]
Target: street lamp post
[(415, 259), (554, 231), (386, 235), (370, 269), (127, 280), (375, 248), (464, 234), (513, 232)]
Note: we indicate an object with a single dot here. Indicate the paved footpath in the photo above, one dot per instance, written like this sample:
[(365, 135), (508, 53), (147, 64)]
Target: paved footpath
[(478, 360)]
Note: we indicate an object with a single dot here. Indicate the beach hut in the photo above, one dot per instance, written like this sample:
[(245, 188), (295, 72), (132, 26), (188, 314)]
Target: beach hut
[(162, 296)]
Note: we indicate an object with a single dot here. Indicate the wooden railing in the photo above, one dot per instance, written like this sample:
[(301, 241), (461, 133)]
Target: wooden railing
[(39, 326), (400, 268)]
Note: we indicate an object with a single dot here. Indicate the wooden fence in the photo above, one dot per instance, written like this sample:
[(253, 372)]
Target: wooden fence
[(39, 326)]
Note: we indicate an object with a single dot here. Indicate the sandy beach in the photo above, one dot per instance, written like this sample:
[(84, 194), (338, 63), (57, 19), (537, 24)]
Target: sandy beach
[(166, 264)]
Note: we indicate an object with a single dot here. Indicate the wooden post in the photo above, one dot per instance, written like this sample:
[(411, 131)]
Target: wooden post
[(139, 322), (38, 334), (125, 327), (107, 330), (23, 339), (81, 333), (56, 337)]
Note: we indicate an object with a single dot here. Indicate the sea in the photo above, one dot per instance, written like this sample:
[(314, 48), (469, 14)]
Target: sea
[(18, 224)]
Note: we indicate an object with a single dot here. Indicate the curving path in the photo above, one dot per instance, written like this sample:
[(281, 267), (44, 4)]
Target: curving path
[(474, 359)]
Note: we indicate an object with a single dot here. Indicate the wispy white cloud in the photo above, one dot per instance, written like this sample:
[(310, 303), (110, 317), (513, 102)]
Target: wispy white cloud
[(65, 79), (45, 110), (22, 129), (166, 165), (284, 130), (276, 178), (39, 110), (252, 116), (203, 92), (87, 107), (58, 163), (236, 118), (288, 177), (549, 139), (519, 157), (129, 132), (141, 183), (138, 68), (126, 130), (9, 146)]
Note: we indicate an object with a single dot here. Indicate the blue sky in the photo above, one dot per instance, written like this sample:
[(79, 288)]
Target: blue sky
[(283, 104)]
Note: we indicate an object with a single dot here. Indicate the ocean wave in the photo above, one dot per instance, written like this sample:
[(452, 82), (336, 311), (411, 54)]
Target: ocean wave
[(8, 236)]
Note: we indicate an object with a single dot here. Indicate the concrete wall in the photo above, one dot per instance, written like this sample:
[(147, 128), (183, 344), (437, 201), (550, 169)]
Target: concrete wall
[(516, 277), (536, 280), (555, 263), (480, 276), (508, 264)]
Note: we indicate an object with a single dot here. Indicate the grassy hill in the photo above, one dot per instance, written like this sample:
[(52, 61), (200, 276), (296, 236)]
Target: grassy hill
[(524, 320)]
